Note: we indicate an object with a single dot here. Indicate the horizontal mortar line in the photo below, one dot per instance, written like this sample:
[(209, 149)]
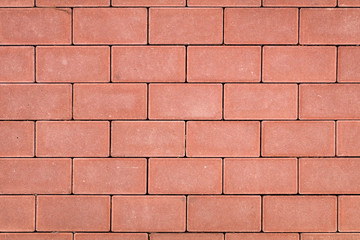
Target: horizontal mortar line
[(185, 194), (177, 120), (174, 44), (215, 232), (182, 6), (193, 82), (197, 157)]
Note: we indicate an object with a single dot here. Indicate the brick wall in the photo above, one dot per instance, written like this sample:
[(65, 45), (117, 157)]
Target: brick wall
[(179, 120)]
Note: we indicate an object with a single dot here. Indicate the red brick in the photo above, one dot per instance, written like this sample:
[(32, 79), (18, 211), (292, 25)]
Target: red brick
[(262, 236), (147, 139), (299, 64), (185, 101), (73, 213), (17, 213), (329, 26), (36, 236), (348, 69), (330, 236), (261, 26), (35, 101), (223, 139), (110, 25), (260, 101), (109, 176), (35, 176), (35, 26), (348, 138), (298, 138), (110, 101), (299, 213), (17, 139), (329, 176), (111, 236), (72, 3), (72, 139), (185, 25), (223, 213), (148, 64), (73, 64), (260, 176), (187, 236), (185, 176), (329, 101), (148, 213), (225, 3), (348, 3), (224, 64), (17, 3), (147, 3), (16, 64), (349, 213), (299, 3)]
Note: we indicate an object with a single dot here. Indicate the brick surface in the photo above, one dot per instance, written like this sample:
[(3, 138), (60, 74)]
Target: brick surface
[(298, 138), (185, 101), (185, 176), (73, 213), (185, 25), (299, 3), (36, 236), (273, 26), (262, 236), (299, 64), (330, 236), (110, 101), (223, 64), (223, 213), (349, 213), (146, 3), (16, 64), (260, 101), (17, 3), (35, 176), (72, 64), (148, 213), (109, 176), (187, 236), (260, 176), (72, 3), (348, 138), (111, 236), (348, 69), (224, 3), (349, 3), (299, 213)]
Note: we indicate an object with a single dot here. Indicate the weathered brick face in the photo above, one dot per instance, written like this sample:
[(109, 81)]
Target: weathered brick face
[(179, 120)]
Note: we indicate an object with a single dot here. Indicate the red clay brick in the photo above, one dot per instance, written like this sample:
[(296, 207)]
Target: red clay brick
[(17, 3), (348, 138), (329, 26), (261, 26), (17, 139), (35, 26), (330, 236), (35, 101), (185, 176), (147, 139), (223, 64), (35, 176), (73, 64), (111, 236), (223, 213), (329, 101), (260, 176), (148, 64), (223, 139), (299, 213), (36, 236), (299, 3), (349, 213), (72, 139), (109, 176), (298, 138), (110, 101), (329, 176), (348, 67), (224, 3), (260, 101), (148, 213), (186, 236), (185, 25), (262, 236), (185, 101), (349, 3), (16, 64), (17, 213), (72, 3), (110, 25), (73, 213), (299, 64), (147, 3)]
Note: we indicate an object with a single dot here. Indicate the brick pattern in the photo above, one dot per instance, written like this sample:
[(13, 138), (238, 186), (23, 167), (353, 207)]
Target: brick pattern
[(179, 119)]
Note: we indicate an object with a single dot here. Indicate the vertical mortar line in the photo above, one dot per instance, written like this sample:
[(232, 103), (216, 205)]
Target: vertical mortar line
[(222, 176), (34, 3), (337, 63), (147, 25), (223, 27), (111, 196), (186, 212), (73, 235), (298, 102), (35, 219), (34, 139), (147, 100), (337, 213), (298, 43), (261, 62), (298, 175), (72, 101), (35, 64), (185, 137), (72, 176), (260, 133), (72, 26), (186, 62), (147, 176), (262, 213), (110, 62), (110, 129), (336, 138), (223, 102)]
